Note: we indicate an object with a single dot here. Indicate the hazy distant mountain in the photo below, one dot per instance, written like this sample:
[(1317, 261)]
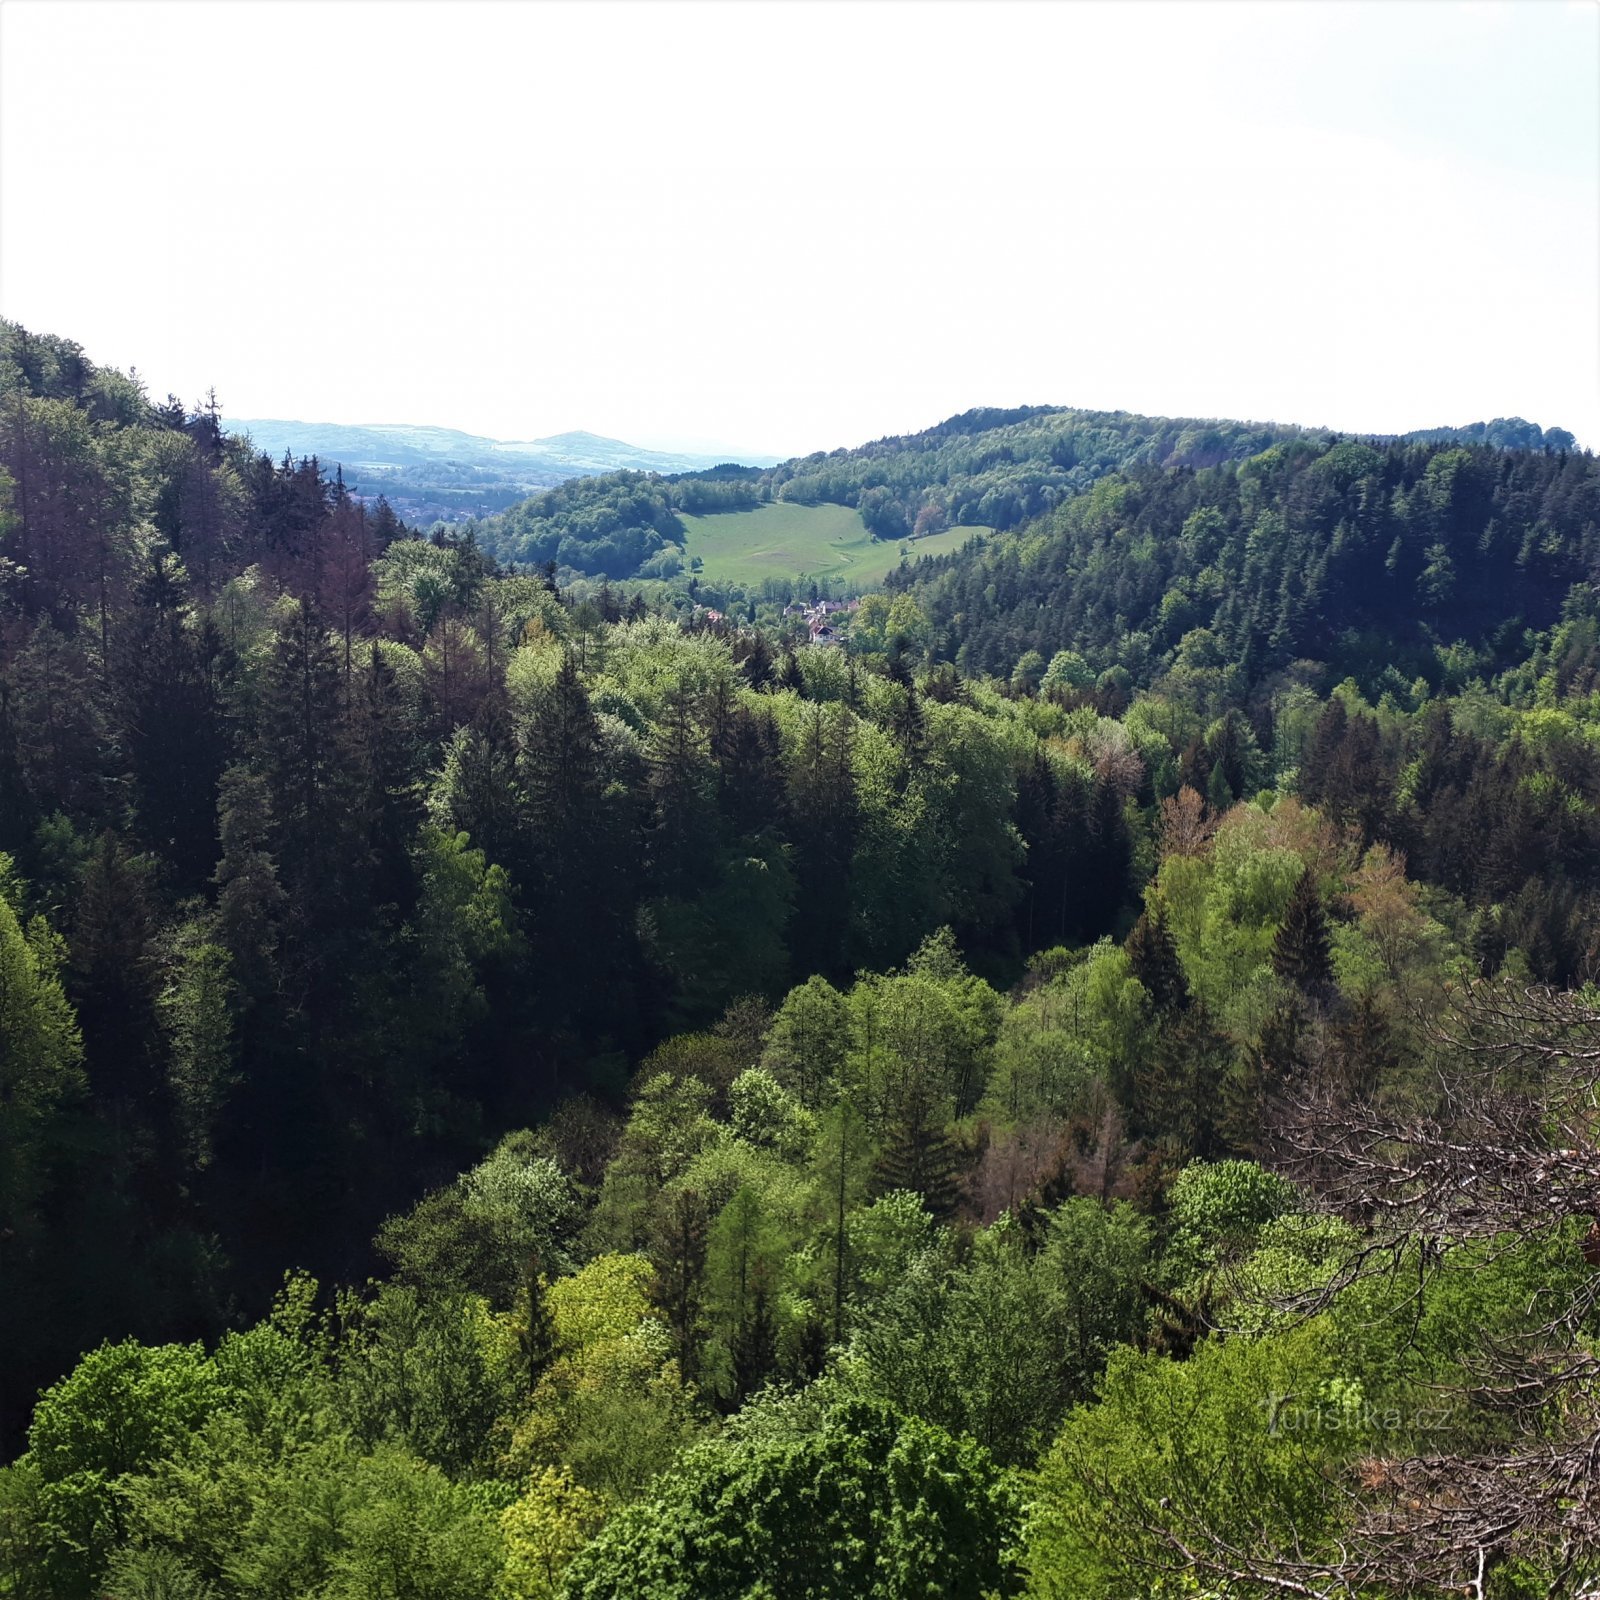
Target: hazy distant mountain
[(434, 474), (402, 444)]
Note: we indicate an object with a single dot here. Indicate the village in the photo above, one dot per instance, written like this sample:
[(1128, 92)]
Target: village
[(814, 613), (816, 617)]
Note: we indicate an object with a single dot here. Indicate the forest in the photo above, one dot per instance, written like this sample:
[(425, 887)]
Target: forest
[(989, 468), (520, 1081)]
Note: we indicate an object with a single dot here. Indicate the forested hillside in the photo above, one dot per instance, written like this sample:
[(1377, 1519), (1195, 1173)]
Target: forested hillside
[(1391, 564), (513, 1086), (988, 468)]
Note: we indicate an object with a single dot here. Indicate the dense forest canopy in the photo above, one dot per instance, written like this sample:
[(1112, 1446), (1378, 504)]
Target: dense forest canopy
[(518, 1084), (1388, 564), (986, 468)]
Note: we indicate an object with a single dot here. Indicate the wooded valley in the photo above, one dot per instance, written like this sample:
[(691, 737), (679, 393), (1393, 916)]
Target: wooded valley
[(521, 1075)]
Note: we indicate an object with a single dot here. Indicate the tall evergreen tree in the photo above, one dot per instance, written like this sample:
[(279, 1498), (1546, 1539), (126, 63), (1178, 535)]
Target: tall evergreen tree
[(918, 1155), (678, 1251), (581, 893), (1153, 953), (170, 715), (1300, 952)]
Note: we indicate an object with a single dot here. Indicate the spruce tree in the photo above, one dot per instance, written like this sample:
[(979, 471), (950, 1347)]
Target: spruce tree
[(1177, 1091), (300, 750), (536, 1337), (1219, 792), (907, 725), (1362, 1051), (1153, 955), (1268, 1062), (1300, 952), (579, 891), (170, 720), (678, 1251), (755, 1343), (249, 896), (919, 1155), (756, 662)]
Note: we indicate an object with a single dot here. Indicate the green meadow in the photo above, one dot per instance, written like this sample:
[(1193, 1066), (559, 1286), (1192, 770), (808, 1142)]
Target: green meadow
[(783, 540)]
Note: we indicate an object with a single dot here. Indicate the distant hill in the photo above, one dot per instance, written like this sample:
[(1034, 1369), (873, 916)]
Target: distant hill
[(987, 468), (1424, 558), (433, 474)]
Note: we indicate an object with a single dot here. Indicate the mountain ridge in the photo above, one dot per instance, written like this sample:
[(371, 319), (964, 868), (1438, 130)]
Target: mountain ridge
[(402, 444)]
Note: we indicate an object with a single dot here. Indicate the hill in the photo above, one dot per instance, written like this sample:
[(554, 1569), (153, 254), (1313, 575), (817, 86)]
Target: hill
[(987, 468), (442, 474), (990, 468), (1389, 563)]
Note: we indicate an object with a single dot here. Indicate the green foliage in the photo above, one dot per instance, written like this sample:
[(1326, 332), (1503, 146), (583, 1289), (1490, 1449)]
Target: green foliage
[(808, 1040), (1221, 1207), (871, 1506), (197, 1008), (1210, 1436), (427, 1373), (934, 959), (478, 1234), (543, 1531), (41, 1052), (610, 524), (123, 1409), (998, 1346), (384, 1526)]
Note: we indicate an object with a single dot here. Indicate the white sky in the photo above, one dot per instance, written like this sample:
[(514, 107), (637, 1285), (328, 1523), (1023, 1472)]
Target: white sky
[(789, 226)]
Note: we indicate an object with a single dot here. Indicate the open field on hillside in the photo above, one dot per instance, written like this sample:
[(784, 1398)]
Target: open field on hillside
[(783, 540)]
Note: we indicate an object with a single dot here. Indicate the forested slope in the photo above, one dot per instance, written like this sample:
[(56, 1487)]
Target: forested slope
[(823, 1121), (1388, 563), (990, 468)]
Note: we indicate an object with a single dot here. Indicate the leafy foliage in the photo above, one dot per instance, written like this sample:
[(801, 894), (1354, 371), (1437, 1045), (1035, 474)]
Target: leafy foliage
[(806, 1099)]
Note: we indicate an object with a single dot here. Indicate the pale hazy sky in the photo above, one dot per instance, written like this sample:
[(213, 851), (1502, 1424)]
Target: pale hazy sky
[(788, 226)]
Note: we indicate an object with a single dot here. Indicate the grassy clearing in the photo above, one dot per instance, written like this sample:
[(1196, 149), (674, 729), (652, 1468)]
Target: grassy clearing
[(783, 540)]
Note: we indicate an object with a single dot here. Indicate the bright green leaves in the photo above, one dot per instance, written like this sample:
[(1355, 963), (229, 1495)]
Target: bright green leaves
[(872, 1506)]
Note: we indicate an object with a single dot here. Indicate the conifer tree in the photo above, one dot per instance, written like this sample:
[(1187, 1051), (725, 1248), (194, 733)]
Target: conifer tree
[(1362, 1048), (755, 661), (1267, 1063), (298, 739), (41, 1054), (536, 1333), (387, 803), (919, 1155), (679, 784), (169, 712), (1177, 1090), (1300, 953), (822, 802), (578, 887), (250, 898), (678, 1251), (1219, 793), (755, 1343), (907, 725), (1154, 957), (57, 711), (112, 977), (1104, 878), (750, 774)]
